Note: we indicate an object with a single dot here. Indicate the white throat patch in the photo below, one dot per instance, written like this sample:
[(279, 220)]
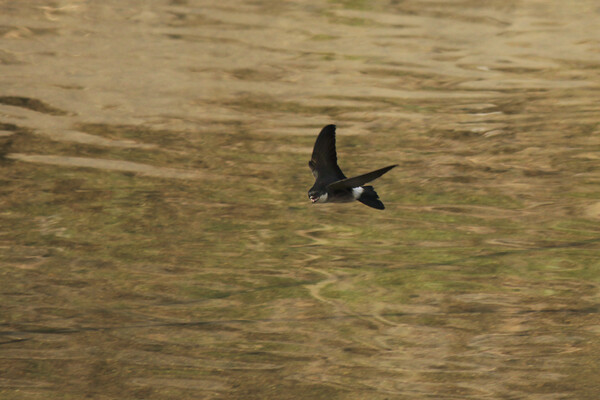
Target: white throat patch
[(322, 198)]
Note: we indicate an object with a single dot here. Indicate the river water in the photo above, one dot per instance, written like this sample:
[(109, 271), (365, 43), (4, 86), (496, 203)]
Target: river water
[(157, 242)]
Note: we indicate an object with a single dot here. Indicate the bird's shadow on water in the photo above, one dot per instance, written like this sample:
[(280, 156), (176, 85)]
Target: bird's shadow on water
[(192, 324)]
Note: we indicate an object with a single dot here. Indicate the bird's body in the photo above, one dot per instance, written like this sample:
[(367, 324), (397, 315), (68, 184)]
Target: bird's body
[(331, 185)]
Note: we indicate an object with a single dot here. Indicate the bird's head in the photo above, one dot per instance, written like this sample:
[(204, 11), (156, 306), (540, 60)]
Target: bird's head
[(316, 196)]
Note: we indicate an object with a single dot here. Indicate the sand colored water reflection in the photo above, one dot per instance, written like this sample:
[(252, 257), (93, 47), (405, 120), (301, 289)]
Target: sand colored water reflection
[(156, 238)]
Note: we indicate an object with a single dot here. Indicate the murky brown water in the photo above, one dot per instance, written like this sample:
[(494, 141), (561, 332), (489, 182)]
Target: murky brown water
[(156, 238)]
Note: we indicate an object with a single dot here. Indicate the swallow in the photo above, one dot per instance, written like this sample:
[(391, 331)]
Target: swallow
[(331, 185)]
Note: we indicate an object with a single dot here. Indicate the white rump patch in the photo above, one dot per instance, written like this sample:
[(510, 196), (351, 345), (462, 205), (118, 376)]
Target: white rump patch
[(357, 191)]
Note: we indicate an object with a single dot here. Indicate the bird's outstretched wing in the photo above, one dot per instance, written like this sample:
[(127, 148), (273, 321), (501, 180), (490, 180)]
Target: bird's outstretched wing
[(323, 162), (358, 180)]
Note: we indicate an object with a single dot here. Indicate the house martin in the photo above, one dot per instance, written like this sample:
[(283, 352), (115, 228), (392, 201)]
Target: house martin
[(331, 185)]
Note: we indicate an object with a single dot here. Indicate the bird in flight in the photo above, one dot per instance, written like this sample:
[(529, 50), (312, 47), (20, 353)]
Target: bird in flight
[(331, 185)]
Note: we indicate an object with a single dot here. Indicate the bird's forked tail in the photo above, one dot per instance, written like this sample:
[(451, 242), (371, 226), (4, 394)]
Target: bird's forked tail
[(370, 198)]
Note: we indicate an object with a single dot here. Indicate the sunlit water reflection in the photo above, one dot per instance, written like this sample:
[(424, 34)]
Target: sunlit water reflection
[(157, 241)]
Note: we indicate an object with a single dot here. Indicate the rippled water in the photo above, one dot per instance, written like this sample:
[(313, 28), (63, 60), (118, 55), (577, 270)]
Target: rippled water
[(157, 241)]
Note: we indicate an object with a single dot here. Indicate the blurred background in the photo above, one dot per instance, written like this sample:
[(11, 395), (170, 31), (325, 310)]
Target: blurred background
[(157, 242)]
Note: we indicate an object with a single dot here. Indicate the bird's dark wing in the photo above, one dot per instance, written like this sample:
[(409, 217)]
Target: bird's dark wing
[(323, 162), (358, 180)]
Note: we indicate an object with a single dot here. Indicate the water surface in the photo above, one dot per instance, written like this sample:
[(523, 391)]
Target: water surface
[(157, 240)]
